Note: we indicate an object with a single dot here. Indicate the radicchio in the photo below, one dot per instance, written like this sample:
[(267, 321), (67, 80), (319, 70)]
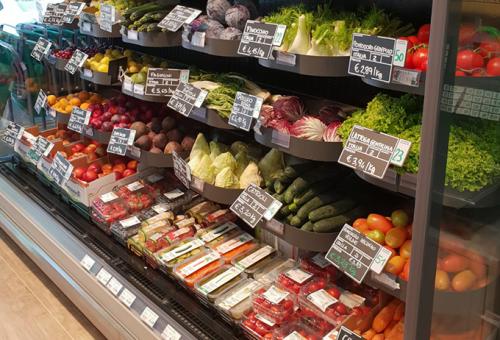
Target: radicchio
[(308, 127), (330, 134), (266, 115), (280, 125), (330, 113), (289, 107)]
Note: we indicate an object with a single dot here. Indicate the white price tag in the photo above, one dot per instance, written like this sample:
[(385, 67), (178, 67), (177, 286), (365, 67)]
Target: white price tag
[(133, 35), (139, 89), (298, 275), (321, 299), (108, 197), (87, 73), (103, 276), (400, 152), (380, 260), (170, 333), (135, 186), (171, 195), (275, 295), (286, 58), (87, 27), (127, 297), (87, 262), (114, 286), (149, 317), (198, 39), (399, 52)]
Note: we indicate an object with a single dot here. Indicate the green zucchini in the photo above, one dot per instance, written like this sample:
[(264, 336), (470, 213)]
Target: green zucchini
[(315, 203), (289, 218), (291, 172), (308, 226), (140, 12), (296, 221), (302, 183), (332, 209), (285, 211), (314, 190), (332, 224)]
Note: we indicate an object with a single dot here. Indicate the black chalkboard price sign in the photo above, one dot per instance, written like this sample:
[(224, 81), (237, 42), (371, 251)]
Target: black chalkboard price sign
[(164, 81), (76, 61), (253, 204), (185, 98), (78, 119), (72, 11), (120, 140), (181, 169), (245, 108), (179, 16), (41, 148), (259, 39), (41, 49), (61, 169), (12, 133)]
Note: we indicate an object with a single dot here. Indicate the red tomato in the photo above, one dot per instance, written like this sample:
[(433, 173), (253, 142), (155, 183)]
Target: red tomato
[(459, 73), (489, 47), (466, 34), (335, 292), (409, 59), (413, 39), (493, 67), (423, 65), (421, 55), (379, 222), (468, 60), (424, 33)]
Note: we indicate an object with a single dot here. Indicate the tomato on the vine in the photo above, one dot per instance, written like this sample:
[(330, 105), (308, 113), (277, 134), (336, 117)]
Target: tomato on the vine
[(488, 48), (459, 73), (418, 58), (466, 34), (424, 33), (493, 67), (413, 39), (468, 60)]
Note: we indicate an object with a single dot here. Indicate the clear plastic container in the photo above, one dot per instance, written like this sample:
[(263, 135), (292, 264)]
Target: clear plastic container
[(150, 238), (108, 208), (319, 266), (294, 279), (136, 195), (258, 326), (178, 199), (172, 255), (235, 302), (197, 267), (126, 228), (202, 209), (160, 183), (212, 235), (269, 273), (296, 331), (135, 244), (255, 259), (234, 246), (322, 301), (212, 286), (158, 239), (218, 217), (175, 236), (274, 302)]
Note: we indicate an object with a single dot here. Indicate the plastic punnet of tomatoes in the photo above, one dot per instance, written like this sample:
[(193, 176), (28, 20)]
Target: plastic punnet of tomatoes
[(269, 273), (160, 183), (276, 303), (294, 279), (319, 266), (108, 208), (137, 195), (235, 246), (322, 301), (236, 301), (198, 266), (177, 200), (258, 326), (296, 331)]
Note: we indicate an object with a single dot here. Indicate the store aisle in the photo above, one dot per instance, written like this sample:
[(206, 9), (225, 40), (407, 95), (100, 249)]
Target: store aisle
[(31, 306)]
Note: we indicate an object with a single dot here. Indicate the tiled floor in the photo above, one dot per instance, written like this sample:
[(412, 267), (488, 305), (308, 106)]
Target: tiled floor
[(31, 306)]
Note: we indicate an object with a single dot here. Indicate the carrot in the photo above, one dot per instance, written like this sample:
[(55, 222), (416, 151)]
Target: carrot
[(400, 312), (237, 251), (390, 327), (369, 334), (208, 269), (397, 332), (379, 336), (385, 316)]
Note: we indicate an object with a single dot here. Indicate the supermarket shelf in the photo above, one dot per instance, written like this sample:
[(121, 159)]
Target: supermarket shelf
[(216, 47), (67, 237), (308, 65), (211, 118), (388, 283), (157, 160), (151, 39), (418, 88)]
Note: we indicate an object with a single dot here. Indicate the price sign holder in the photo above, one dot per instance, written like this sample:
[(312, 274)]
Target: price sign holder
[(76, 61), (72, 11), (253, 204), (54, 14), (13, 133), (41, 102), (120, 140), (179, 16), (354, 254), (245, 108), (78, 119), (42, 147), (259, 39), (164, 81), (186, 97), (169, 333), (41, 49), (181, 169), (107, 17), (372, 57), (61, 169), (371, 152), (347, 334)]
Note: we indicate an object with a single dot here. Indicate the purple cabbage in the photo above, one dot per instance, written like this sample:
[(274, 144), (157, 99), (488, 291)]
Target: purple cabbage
[(237, 16), (216, 10), (230, 33), (289, 107)]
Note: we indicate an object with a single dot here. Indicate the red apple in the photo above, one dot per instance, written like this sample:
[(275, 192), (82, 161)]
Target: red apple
[(78, 147), (88, 149), (78, 172), (107, 126), (124, 119), (106, 116), (91, 157), (97, 113), (128, 172), (118, 175), (95, 167), (90, 176)]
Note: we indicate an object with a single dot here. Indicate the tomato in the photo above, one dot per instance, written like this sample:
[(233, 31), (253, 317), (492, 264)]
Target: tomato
[(468, 60), (454, 263), (442, 280), (379, 222), (489, 47), (459, 73), (405, 274), (358, 222), (414, 40), (399, 218), (493, 67), (420, 55), (132, 165), (463, 281), (335, 292), (466, 34), (395, 265), (396, 237), (361, 225), (424, 33), (405, 250), (341, 308), (409, 59), (377, 236)]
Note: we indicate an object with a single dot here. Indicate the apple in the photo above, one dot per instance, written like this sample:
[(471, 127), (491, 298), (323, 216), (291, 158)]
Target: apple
[(96, 167), (77, 147), (90, 176), (107, 126), (124, 125), (124, 119), (118, 175), (91, 157), (106, 116), (128, 172), (78, 172), (97, 113), (88, 150)]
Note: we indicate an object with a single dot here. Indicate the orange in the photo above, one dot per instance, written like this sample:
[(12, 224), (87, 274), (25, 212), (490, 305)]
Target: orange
[(63, 102), (405, 274), (51, 99), (75, 102), (395, 265), (85, 106), (83, 95), (68, 108), (442, 280)]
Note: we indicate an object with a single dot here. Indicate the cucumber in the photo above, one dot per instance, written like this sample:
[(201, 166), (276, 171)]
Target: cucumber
[(332, 224), (291, 172), (289, 218), (302, 183), (136, 15), (332, 209), (279, 186), (293, 207), (308, 226), (285, 211), (296, 221), (279, 197), (315, 203), (314, 190)]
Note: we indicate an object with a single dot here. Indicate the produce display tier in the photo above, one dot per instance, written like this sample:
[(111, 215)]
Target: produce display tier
[(58, 63), (407, 184), (95, 31), (307, 149), (213, 193), (145, 97), (308, 65), (157, 160), (216, 47), (99, 136), (174, 305), (98, 78), (417, 89), (210, 118), (151, 39)]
